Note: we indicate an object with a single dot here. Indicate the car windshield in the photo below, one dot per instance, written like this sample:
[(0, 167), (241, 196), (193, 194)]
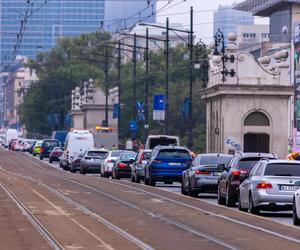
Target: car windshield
[(162, 141), (51, 144), (214, 160), (248, 163), (283, 169), (177, 153), (99, 154), (127, 157), (116, 153)]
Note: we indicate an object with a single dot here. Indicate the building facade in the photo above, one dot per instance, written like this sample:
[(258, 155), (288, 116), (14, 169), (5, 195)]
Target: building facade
[(241, 113), (124, 14), (227, 19)]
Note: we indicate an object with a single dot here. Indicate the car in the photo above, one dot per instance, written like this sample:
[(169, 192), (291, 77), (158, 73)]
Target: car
[(122, 166), (138, 167), (77, 141), (203, 174), (91, 161), (47, 146), (108, 163), (75, 162), (37, 148), (55, 154), (11, 144), (296, 205), (270, 186), (167, 164), (233, 175), (27, 145)]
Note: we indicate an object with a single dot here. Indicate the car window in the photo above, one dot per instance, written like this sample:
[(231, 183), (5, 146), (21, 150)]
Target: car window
[(147, 155), (248, 163), (255, 170), (214, 160), (100, 154), (127, 157), (51, 144), (177, 153), (282, 169)]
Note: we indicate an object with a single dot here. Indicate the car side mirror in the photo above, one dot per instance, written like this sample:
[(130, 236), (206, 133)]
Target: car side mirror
[(221, 167), (297, 183)]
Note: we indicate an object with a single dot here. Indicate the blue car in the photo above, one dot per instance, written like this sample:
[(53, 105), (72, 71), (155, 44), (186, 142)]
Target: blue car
[(47, 147), (167, 164)]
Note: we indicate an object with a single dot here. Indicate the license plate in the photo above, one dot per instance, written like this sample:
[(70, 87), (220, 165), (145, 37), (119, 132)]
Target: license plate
[(174, 164), (217, 173), (289, 188)]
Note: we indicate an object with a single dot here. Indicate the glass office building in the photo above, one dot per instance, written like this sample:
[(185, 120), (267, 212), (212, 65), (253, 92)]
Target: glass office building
[(227, 19), (57, 18)]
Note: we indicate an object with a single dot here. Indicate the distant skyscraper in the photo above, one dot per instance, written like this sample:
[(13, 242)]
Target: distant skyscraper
[(227, 19), (48, 21), (124, 14)]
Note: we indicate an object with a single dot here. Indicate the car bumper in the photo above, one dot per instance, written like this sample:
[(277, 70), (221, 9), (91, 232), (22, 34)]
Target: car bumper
[(92, 167), (124, 172), (267, 201), (54, 158), (205, 184)]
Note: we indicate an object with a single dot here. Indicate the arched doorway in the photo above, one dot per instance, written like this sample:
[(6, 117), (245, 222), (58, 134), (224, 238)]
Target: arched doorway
[(257, 141)]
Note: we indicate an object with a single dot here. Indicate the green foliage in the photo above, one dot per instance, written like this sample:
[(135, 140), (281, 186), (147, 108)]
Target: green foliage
[(75, 60)]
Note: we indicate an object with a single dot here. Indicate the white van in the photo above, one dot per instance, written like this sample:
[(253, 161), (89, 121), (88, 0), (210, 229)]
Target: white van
[(163, 140), (77, 141), (10, 134)]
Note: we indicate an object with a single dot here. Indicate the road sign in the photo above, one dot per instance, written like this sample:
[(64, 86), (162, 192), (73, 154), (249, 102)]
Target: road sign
[(159, 102), (158, 115), (133, 125)]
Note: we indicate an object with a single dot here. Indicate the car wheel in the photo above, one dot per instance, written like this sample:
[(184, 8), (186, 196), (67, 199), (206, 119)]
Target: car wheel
[(82, 170), (137, 179), (132, 179), (296, 219), (220, 199), (50, 160), (152, 181), (106, 174), (41, 158), (191, 192), (146, 179), (72, 170), (182, 189), (117, 176), (33, 154), (252, 209), (240, 205), (230, 201)]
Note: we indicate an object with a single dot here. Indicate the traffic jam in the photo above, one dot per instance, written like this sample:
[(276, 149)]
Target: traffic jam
[(251, 182)]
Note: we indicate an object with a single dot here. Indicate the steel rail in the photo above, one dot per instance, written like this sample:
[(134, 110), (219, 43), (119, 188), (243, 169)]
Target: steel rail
[(110, 225), (32, 219)]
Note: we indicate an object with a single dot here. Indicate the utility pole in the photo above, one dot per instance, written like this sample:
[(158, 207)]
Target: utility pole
[(119, 87), (134, 84), (167, 78), (191, 47), (147, 84), (106, 87)]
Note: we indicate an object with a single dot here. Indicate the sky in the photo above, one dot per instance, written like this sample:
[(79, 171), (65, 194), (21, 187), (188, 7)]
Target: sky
[(203, 21)]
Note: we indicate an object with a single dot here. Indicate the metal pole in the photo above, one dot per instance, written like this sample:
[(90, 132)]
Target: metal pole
[(147, 84), (106, 87), (119, 87), (134, 83), (167, 79), (190, 120)]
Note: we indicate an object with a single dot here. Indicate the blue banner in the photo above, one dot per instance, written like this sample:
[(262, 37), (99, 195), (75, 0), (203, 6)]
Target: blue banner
[(115, 111), (185, 108), (133, 125), (159, 102)]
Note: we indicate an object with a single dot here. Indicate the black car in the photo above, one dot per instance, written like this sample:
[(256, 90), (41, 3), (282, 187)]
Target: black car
[(122, 166), (202, 175), (235, 173)]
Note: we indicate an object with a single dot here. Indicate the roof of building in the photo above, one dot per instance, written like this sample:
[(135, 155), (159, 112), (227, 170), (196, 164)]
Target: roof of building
[(262, 7)]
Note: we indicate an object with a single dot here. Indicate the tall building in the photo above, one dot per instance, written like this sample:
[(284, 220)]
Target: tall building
[(47, 20), (227, 19), (124, 14)]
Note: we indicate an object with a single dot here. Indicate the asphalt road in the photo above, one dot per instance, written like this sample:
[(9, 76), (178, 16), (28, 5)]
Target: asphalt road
[(46, 207)]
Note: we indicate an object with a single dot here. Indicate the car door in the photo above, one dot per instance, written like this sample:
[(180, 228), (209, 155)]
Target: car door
[(224, 176)]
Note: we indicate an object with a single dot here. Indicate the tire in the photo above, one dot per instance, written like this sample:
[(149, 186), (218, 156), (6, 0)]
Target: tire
[(230, 200), (152, 181), (240, 206), (182, 189), (72, 170), (146, 180), (50, 160), (252, 209), (132, 179), (220, 199), (41, 158), (296, 219), (33, 154), (106, 175), (82, 171), (137, 179), (191, 193), (117, 177)]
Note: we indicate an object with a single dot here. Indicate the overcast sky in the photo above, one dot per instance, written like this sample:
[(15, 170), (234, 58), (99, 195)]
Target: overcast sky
[(203, 21)]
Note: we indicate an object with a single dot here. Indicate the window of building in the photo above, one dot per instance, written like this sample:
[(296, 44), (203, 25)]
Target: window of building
[(257, 119)]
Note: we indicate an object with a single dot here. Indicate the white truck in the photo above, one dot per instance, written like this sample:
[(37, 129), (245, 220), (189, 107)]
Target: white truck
[(10, 134)]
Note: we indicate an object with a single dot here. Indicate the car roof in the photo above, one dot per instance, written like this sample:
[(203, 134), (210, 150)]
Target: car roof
[(215, 154), (98, 150), (171, 147), (258, 154), (282, 161)]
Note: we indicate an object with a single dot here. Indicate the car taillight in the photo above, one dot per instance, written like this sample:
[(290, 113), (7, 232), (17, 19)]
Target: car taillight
[(122, 165), (42, 150), (264, 185), (202, 172), (238, 172)]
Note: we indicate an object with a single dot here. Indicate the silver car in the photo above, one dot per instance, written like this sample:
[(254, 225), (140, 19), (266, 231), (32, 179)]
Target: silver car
[(91, 161), (270, 186)]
